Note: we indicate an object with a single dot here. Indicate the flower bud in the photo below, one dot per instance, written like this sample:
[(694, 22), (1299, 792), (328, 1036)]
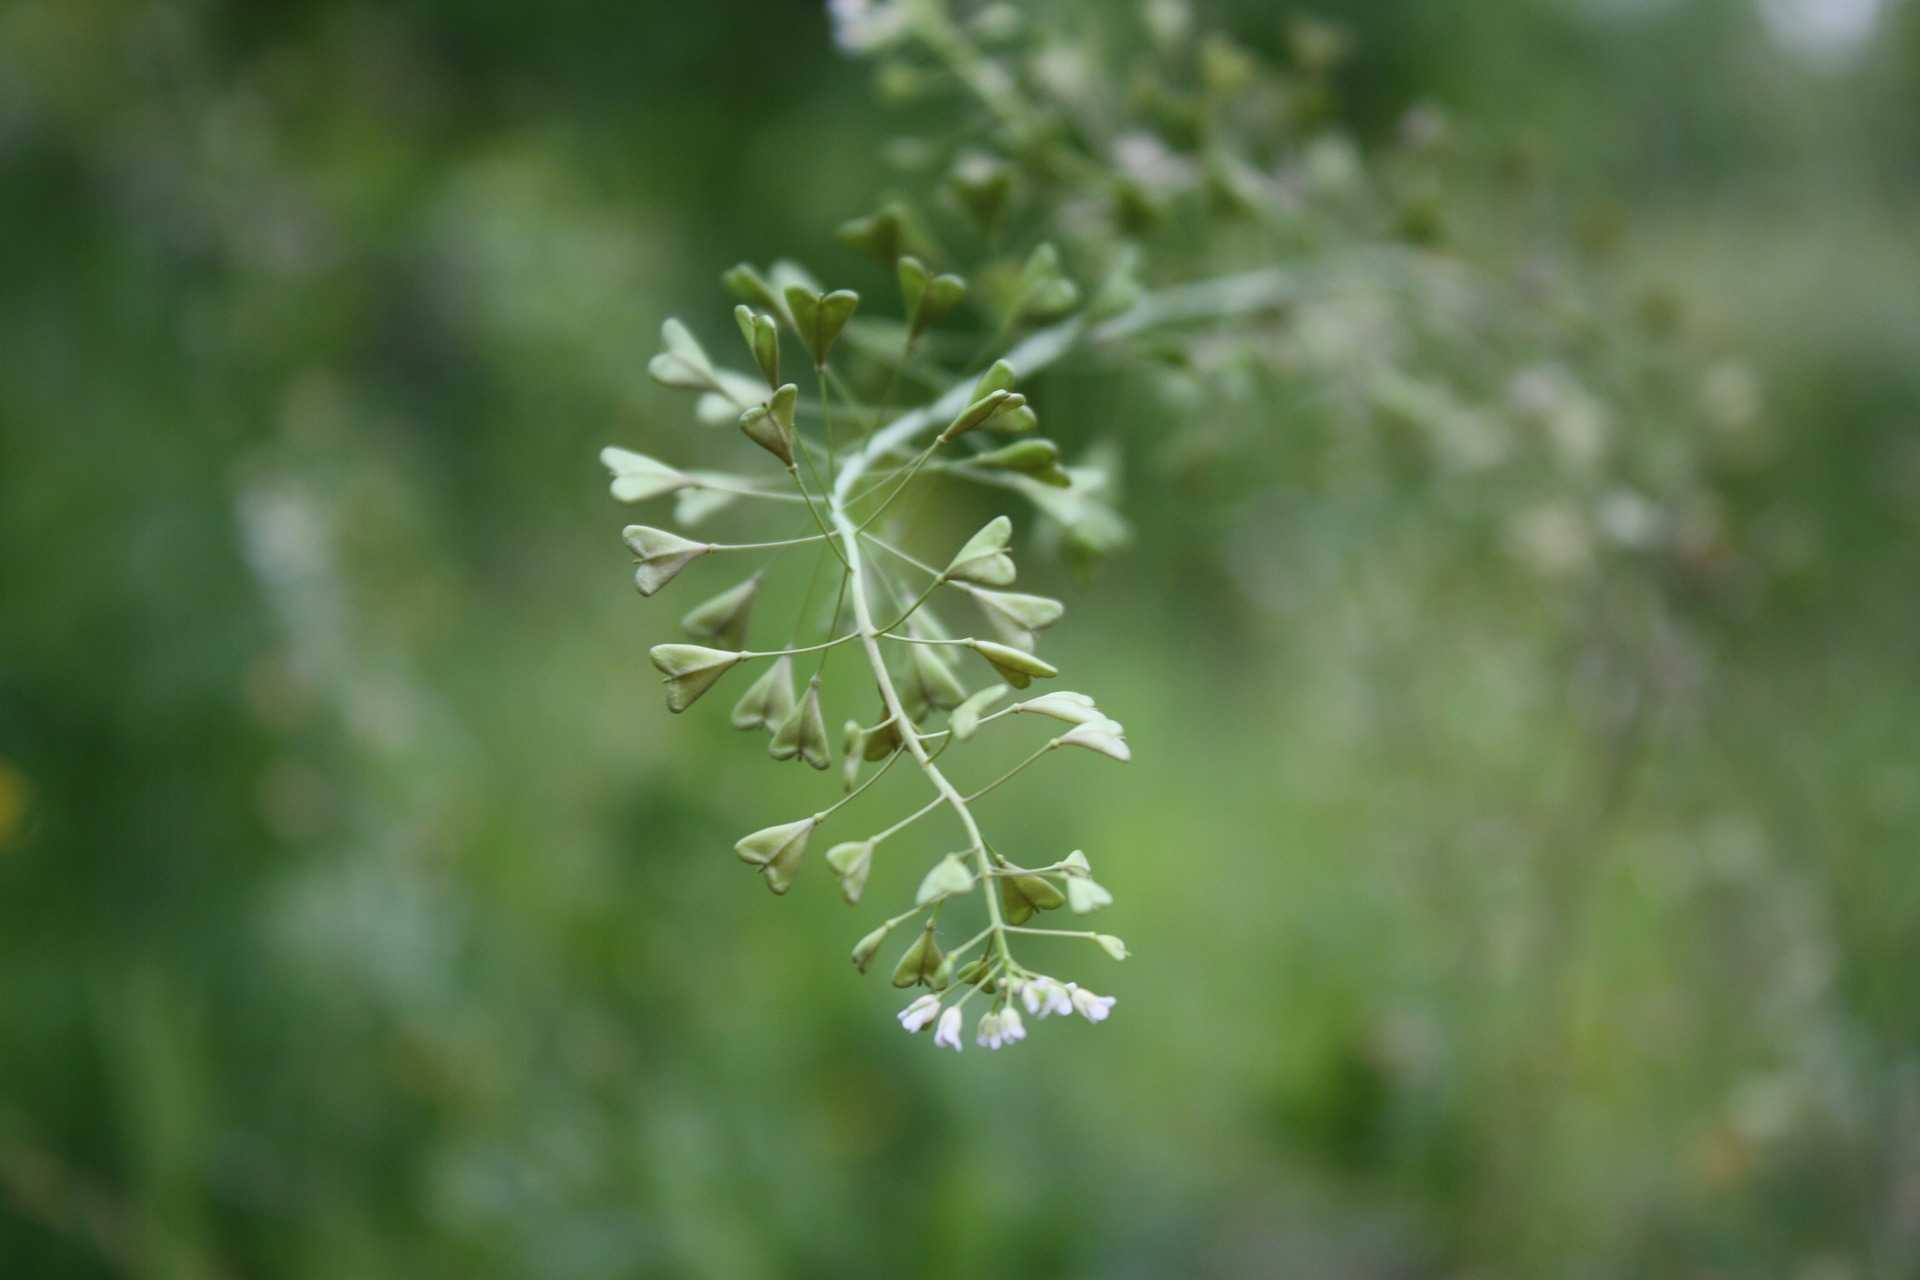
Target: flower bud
[(804, 732), (851, 862), (769, 700), (636, 477), (723, 619), (662, 555), (1015, 666), (919, 961), (690, 670), (984, 559), (777, 851), (948, 877), (1111, 945)]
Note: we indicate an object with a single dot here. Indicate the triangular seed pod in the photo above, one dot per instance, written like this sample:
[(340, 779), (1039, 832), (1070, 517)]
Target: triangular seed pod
[(759, 425), (948, 877), (881, 235), (882, 741), (928, 298), (1017, 668), (1016, 616), (636, 477), (998, 377), (971, 973), (1016, 422), (818, 319), (980, 410), (684, 363), (851, 862), (1062, 704), (1021, 896), (1023, 455), (804, 732), (748, 285), (1111, 945), (937, 684), (723, 619), (690, 670), (661, 554), (919, 961), (762, 337), (769, 700), (777, 851), (982, 185), (863, 950), (984, 559), (1104, 737), (853, 748), (1086, 895), (782, 404), (965, 720)]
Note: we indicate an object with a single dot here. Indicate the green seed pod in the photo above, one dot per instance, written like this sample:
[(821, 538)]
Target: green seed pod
[(1106, 737), (984, 559), (1015, 666), (1062, 704), (1023, 455), (1021, 896), (973, 972), (768, 700), (851, 862), (998, 377), (1016, 421), (1111, 945), (723, 619), (949, 876), (777, 851), (965, 720), (661, 554), (929, 298), (748, 285), (690, 670), (853, 748), (819, 320), (864, 950), (684, 363), (1015, 616), (762, 337), (760, 425), (804, 732), (882, 741), (919, 962), (636, 477), (933, 681), (980, 411), (883, 235)]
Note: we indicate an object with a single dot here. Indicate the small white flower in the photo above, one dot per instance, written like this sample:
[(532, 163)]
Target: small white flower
[(947, 1034), (990, 1034), (1092, 1007), (920, 1012), (1012, 1029), (1045, 997)]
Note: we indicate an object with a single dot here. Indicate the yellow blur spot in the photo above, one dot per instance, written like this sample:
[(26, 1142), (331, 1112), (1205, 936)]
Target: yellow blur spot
[(13, 801)]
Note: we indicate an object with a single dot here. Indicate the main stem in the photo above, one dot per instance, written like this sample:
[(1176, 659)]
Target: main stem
[(1230, 295)]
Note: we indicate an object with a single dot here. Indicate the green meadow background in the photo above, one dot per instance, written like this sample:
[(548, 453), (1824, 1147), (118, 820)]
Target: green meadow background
[(363, 913)]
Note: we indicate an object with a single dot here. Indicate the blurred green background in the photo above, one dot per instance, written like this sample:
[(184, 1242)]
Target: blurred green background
[(363, 914)]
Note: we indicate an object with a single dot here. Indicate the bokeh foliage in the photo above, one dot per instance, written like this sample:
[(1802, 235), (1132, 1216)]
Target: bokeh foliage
[(1496, 911)]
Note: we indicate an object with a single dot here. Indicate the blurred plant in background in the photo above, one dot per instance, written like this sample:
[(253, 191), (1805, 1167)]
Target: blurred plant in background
[(1515, 632)]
